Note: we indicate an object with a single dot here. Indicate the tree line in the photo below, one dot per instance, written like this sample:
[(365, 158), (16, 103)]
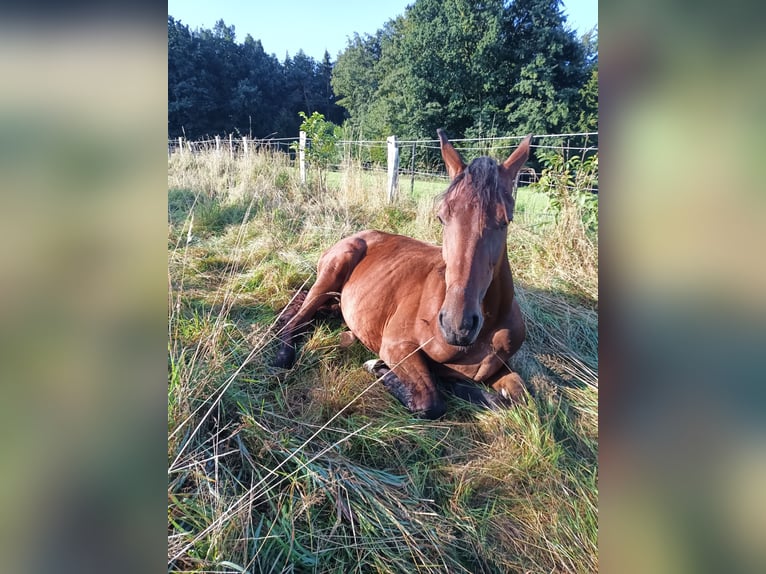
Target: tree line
[(219, 86), (474, 67)]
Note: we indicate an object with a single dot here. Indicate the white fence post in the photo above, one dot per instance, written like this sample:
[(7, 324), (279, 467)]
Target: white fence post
[(180, 145), (244, 144), (393, 167), (302, 155), (218, 144), (231, 146)]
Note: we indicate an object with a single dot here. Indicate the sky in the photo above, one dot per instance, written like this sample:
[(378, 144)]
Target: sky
[(286, 26)]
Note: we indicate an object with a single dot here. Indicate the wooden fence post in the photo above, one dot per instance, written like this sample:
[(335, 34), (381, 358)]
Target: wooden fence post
[(244, 144), (218, 144), (302, 155), (412, 171), (393, 167), (180, 145), (231, 146)]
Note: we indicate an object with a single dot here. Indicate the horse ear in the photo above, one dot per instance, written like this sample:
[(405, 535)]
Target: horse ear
[(509, 173), (519, 156), (452, 159)]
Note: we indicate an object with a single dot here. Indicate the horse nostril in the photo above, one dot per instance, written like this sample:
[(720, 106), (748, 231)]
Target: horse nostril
[(475, 322), (441, 318)]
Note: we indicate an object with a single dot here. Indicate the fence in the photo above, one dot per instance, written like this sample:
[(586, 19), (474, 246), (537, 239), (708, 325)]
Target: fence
[(397, 158)]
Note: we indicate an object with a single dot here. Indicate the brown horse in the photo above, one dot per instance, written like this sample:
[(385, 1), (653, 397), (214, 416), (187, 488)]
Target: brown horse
[(433, 313)]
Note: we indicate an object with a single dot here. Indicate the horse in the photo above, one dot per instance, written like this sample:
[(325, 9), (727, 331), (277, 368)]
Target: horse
[(432, 314)]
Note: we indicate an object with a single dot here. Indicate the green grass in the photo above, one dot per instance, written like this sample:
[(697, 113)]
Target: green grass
[(321, 470), (527, 199)]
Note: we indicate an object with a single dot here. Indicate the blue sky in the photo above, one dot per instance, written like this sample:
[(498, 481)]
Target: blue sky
[(317, 25)]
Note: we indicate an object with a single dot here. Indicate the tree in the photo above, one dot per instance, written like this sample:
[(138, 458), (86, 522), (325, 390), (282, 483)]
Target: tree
[(587, 100), (535, 106), (326, 100), (216, 85), (256, 99), (451, 62), (355, 81), (323, 137), (186, 89), (545, 65), (474, 67)]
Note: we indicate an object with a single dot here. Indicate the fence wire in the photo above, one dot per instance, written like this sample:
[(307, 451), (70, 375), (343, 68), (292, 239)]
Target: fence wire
[(419, 159), (483, 144)]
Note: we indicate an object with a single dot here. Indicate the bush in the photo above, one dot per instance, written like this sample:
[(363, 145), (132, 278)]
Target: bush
[(571, 184), (323, 137)]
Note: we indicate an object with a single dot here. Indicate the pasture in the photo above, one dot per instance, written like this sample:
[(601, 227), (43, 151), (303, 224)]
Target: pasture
[(321, 469)]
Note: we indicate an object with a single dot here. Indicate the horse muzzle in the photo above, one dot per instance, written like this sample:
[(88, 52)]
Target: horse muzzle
[(460, 331)]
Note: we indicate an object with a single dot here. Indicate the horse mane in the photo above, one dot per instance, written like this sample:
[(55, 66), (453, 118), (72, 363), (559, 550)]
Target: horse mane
[(485, 187)]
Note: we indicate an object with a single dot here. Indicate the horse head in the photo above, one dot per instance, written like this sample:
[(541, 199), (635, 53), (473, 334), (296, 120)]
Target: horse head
[(474, 212)]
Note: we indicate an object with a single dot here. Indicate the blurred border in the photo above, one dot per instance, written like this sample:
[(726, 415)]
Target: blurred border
[(83, 122), (683, 315), (82, 293)]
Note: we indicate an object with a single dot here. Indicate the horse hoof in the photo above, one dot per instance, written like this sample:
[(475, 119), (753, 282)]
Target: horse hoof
[(285, 359), (374, 366), (434, 411), (511, 387), (347, 338)]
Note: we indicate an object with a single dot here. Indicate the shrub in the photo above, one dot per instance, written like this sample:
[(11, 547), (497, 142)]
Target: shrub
[(571, 184), (323, 137)]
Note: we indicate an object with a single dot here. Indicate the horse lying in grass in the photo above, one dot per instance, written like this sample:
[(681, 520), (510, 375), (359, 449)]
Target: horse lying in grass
[(445, 314)]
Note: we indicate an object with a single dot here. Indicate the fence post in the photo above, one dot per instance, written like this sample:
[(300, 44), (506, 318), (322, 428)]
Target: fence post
[(412, 171), (180, 145), (302, 155), (218, 144), (393, 167), (231, 146), (244, 144)]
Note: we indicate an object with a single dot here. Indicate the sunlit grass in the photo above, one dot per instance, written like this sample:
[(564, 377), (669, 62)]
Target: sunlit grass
[(321, 470)]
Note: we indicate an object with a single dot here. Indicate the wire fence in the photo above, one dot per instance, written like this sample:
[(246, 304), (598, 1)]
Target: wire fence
[(417, 159)]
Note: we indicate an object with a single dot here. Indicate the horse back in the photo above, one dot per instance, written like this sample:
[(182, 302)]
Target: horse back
[(398, 279)]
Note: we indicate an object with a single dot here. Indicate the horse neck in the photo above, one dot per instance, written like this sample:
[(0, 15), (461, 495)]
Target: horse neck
[(500, 292)]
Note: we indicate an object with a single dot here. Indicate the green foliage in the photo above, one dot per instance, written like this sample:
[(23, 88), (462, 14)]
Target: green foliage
[(569, 183), (322, 139), (355, 82), (588, 104), (217, 85), (534, 107), (472, 67)]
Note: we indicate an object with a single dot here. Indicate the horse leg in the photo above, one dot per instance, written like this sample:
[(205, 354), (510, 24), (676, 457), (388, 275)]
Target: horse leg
[(471, 392), (334, 268), (410, 380), (509, 385), (506, 382)]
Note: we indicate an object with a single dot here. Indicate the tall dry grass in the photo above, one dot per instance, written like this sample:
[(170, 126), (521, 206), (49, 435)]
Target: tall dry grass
[(321, 470)]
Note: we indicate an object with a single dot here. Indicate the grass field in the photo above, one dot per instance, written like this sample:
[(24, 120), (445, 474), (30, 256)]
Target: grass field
[(321, 470)]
